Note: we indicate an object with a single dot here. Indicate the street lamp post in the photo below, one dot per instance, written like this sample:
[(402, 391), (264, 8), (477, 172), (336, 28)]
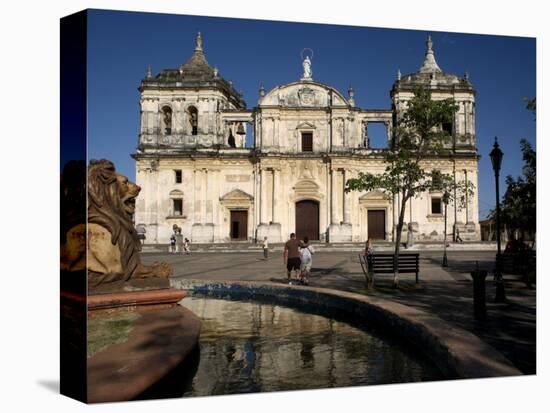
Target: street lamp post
[(496, 159), (446, 196)]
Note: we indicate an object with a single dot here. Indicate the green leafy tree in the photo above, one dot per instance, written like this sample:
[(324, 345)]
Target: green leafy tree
[(419, 138), (518, 209)]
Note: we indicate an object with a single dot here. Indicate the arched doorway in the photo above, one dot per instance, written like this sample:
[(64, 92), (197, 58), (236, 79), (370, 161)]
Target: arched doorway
[(307, 219)]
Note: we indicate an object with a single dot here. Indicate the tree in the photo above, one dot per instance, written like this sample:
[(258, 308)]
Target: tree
[(531, 105), (518, 209), (420, 136)]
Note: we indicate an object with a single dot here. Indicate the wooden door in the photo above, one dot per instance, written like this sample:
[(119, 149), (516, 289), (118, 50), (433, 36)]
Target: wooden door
[(239, 225), (377, 224), (307, 220)]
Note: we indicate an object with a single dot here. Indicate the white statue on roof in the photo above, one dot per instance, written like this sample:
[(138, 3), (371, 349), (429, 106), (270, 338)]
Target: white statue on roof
[(307, 69)]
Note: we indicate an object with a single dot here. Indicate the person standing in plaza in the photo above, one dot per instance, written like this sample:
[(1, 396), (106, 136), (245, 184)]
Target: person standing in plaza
[(291, 256), (306, 256), (179, 241), (173, 243), (187, 246), (140, 229), (265, 247), (368, 249)]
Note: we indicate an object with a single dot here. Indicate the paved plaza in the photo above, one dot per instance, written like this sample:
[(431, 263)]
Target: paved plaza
[(509, 327)]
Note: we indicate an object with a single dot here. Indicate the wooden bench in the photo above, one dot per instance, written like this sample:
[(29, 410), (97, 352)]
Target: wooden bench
[(383, 264), (518, 263)]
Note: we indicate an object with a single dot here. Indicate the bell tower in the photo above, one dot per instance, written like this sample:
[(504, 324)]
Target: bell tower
[(181, 108)]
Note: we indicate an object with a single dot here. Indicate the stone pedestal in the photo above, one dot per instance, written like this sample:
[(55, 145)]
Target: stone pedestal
[(271, 231), (262, 231), (275, 233), (470, 228), (412, 227), (202, 233), (468, 231), (339, 233)]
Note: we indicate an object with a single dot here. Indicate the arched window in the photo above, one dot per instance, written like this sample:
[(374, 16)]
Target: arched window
[(193, 119), (167, 120)]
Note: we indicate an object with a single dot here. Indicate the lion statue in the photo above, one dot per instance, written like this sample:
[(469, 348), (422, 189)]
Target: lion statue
[(113, 243)]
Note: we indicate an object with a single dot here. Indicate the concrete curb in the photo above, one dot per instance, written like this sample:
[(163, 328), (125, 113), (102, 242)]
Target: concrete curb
[(257, 249), (456, 352)]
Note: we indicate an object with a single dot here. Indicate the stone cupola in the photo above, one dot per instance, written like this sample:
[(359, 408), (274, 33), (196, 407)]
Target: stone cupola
[(195, 73)]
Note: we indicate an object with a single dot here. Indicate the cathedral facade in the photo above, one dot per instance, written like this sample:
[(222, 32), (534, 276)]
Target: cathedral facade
[(197, 172)]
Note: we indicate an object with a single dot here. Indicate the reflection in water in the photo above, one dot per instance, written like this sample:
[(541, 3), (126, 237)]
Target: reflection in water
[(253, 347)]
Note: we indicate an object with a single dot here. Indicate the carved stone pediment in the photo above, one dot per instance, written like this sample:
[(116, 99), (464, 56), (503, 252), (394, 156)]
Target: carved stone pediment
[(307, 188), (305, 125), (176, 193), (374, 196), (237, 195)]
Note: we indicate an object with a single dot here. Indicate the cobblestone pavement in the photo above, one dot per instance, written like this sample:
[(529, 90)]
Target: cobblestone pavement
[(509, 327)]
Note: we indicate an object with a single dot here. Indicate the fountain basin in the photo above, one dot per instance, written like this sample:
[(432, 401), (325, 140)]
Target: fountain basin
[(457, 353)]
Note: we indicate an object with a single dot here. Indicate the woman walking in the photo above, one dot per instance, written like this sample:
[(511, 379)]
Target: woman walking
[(306, 258), (187, 246)]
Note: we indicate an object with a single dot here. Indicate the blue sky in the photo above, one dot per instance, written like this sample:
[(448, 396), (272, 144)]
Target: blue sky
[(250, 52)]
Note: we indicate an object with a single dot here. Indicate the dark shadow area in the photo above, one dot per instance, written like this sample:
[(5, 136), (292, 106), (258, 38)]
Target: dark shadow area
[(51, 385), (510, 327), (177, 381), (161, 341)]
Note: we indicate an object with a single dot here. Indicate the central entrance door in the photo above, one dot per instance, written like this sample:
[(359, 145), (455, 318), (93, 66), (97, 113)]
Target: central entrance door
[(377, 223), (239, 225), (307, 220)]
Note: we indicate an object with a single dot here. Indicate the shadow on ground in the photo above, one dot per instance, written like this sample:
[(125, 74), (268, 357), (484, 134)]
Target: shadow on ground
[(51, 385)]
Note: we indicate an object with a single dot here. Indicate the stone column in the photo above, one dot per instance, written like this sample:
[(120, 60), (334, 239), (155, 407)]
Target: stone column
[(276, 138), (264, 219), (209, 196), (466, 117), (473, 120), (346, 198), (204, 194), (143, 122), (276, 195), (334, 198), (215, 190), (344, 132), (197, 202), (330, 134), (151, 129), (258, 133), (467, 200), (256, 196)]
